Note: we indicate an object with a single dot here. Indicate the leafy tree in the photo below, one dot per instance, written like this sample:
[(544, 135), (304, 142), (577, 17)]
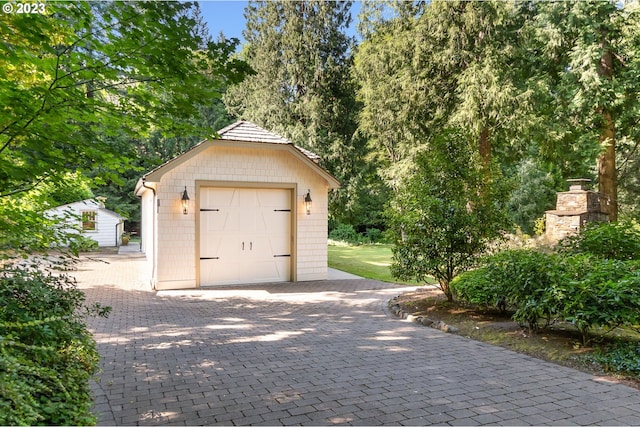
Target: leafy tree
[(534, 193), (548, 83), (82, 70), (446, 214), (78, 82)]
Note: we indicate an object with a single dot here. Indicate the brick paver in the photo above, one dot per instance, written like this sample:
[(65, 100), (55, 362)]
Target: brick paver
[(318, 353)]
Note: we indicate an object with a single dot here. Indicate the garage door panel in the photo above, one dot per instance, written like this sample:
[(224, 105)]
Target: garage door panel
[(218, 221), (219, 271), (269, 271), (247, 222), (218, 197), (250, 231), (272, 198), (279, 245), (267, 247)]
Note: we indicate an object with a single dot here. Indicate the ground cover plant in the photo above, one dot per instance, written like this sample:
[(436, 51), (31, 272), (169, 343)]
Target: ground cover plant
[(615, 355), (583, 296)]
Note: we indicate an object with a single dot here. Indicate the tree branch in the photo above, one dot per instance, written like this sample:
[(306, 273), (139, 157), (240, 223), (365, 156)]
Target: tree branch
[(28, 188)]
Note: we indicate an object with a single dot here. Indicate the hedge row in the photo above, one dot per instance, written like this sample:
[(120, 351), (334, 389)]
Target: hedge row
[(47, 355), (587, 283)]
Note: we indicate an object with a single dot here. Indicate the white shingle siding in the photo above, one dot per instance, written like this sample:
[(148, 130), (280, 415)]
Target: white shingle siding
[(251, 157), (176, 243), (108, 225)]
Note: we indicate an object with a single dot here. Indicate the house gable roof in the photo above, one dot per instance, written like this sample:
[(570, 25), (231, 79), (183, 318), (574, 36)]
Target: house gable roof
[(247, 134), (89, 204), (250, 132)]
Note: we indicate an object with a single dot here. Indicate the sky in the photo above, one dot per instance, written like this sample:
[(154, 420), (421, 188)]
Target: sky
[(224, 15), (228, 16)]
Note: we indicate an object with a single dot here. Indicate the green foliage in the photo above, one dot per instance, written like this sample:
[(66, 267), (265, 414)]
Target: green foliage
[(534, 193), (539, 226), (348, 234), (583, 289), (302, 89), (78, 84), (604, 293), (83, 244), (586, 81), (475, 287), (96, 69), (527, 280), (345, 233), (619, 357), (610, 240), (47, 355), (439, 65), (445, 215)]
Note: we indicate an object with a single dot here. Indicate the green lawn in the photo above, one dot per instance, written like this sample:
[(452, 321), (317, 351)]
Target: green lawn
[(369, 261)]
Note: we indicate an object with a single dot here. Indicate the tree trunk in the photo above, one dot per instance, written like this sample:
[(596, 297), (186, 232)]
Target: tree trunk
[(484, 147), (607, 175), (446, 289)]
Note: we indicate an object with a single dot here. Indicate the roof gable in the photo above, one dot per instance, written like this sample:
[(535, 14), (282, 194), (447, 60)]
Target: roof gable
[(247, 131), (241, 132), (250, 132)]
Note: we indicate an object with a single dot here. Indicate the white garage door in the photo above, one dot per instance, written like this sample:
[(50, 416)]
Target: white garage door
[(245, 235)]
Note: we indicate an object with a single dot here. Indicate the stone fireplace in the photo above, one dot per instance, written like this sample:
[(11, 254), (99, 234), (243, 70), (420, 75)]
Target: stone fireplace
[(574, 209)]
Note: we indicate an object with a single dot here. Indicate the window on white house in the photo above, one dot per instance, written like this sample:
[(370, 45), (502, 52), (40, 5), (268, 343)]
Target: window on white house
[(89, 220)]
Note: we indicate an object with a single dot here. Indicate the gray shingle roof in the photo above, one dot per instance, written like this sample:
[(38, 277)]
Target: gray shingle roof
[(250, 132), (247, 131)]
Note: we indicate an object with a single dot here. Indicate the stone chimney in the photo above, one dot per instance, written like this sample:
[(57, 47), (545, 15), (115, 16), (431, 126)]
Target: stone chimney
[(574, 209)]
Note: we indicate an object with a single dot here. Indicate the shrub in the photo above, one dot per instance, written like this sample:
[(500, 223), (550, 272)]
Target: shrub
[(344, 233), (83, 244), (583, 289), (475, 287), (607, 294), (47, 356), (348, 234), (375, 235), (446, 212), (615, 240), (527, 280)]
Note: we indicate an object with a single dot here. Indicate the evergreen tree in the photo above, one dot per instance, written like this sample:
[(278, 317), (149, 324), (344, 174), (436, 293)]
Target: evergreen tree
[(591, 50), (442, 65), (303, 90)]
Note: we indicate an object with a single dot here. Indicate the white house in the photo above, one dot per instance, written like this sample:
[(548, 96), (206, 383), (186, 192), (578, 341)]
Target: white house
[(255, 211), (95, 221)]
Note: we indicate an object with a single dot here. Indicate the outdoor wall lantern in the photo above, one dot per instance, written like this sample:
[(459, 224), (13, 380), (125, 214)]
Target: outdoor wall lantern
[(307, 202), (185, 201)]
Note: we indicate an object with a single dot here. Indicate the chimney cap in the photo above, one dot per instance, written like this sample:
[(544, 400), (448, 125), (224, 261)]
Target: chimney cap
[(578, 183)]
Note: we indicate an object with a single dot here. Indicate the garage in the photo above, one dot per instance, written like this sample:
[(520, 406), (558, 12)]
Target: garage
[(245, 235), (246, 206)]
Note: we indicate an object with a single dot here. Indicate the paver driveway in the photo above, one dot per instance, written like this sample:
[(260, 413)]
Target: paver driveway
[(319, 353)]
